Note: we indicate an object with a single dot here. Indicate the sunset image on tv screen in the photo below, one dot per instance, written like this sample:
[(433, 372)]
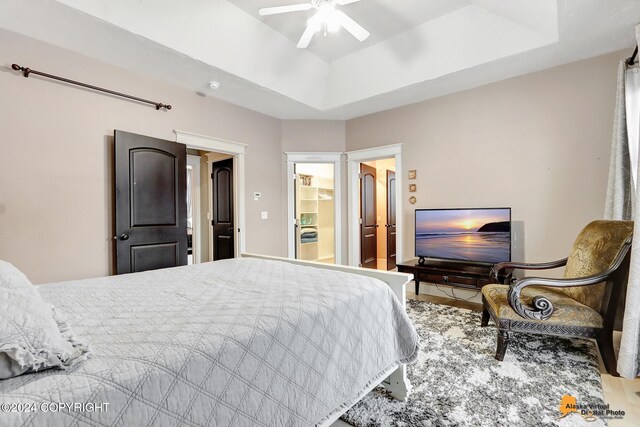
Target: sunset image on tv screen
[(482, 235)]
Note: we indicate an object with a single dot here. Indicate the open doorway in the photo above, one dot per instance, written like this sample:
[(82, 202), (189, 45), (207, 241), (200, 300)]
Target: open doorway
[(209, 150), (211, 206), (314, 206), (315, 212), (378, 214), (221, 193), (355, 160)]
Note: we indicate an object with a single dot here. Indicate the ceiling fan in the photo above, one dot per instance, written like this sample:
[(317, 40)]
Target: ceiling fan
[(327, 18)]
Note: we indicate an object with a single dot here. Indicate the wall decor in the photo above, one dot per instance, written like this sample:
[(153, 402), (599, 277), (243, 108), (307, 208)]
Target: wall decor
[(413, 200), (412, 174), (413, 188)]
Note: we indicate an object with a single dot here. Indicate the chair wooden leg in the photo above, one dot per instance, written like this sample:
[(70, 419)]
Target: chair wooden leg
[(605, 345), (503, 342), (485, 317)]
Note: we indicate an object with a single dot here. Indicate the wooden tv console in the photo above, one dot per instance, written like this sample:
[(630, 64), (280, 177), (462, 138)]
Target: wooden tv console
[(470, 275)]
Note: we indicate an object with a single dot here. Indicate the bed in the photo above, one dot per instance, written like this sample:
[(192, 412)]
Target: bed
[(251, 341)]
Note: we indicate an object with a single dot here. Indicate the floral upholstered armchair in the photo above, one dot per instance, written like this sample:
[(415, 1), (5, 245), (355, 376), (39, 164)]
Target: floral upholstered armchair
[(582, 304)]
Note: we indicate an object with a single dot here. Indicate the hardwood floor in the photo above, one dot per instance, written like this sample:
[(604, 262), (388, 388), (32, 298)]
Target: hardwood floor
[(620, 393)]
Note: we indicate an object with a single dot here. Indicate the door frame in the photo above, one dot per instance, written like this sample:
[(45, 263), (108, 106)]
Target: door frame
[(238, 151), (354, 158), (330, 157), (194, 162)]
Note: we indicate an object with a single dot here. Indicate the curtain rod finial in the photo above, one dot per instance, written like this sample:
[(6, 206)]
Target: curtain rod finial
[(16, 67)]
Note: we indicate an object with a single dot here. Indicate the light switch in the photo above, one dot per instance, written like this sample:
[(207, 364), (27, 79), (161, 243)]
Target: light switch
[(265, 215)]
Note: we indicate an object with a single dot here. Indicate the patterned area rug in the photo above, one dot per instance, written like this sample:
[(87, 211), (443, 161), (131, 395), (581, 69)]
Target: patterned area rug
[(457, 382)]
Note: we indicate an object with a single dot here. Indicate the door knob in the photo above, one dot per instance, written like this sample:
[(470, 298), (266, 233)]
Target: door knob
[(124, 236)]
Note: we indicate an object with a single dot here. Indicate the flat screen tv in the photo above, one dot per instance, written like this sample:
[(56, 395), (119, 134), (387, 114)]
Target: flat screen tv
[(478, 234)]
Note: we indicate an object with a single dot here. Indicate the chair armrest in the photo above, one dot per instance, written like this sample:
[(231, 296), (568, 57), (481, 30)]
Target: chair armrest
[(542, 307), (495, 270)]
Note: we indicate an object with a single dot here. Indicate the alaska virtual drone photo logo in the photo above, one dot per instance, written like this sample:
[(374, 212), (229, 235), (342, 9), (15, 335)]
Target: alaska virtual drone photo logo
[(590, 412)]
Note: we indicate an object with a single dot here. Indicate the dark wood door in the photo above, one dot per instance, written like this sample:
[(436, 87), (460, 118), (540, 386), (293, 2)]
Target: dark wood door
[(391, 220), (368, 217), (151, 203), (222, 222)]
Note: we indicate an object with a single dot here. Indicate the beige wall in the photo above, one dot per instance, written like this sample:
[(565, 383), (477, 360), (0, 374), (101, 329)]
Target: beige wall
[(56, 158), (538, 143), (313, 135), (316, 136)]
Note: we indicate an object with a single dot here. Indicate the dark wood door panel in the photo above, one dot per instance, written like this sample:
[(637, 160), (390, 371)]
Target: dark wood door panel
[(222, 222), (391, 220), (368, 215), (153, 178), (153, 257), (391, 250), (151, 203), (224, 247), (369, 249), (369, 199), (224, 201)]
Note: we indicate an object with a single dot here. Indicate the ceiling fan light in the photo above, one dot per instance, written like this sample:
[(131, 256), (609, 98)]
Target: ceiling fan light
[(314, 23), (328, 17)]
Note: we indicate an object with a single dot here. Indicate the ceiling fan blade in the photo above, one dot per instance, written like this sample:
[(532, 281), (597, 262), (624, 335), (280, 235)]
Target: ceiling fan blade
[(307, 35), (284, 9), (352, 26), (346, 2)]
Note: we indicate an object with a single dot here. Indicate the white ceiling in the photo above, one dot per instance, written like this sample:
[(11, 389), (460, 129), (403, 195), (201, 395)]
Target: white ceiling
[(382, 18), (418, 49)]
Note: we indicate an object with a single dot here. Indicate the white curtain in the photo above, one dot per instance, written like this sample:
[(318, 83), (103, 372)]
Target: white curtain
[(620, 190), (622, 194)]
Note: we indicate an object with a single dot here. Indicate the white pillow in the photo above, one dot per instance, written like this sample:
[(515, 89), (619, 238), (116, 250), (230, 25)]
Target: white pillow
[(33, 336), (13, 279)]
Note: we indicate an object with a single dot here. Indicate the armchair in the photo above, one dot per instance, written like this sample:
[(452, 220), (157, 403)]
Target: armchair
[(582, 304)]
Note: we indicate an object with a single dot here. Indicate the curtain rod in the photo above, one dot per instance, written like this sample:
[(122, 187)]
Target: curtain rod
[(26, 71), (631, 60)]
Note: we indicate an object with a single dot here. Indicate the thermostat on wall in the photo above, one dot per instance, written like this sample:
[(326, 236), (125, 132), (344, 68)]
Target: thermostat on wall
[(257, 195)]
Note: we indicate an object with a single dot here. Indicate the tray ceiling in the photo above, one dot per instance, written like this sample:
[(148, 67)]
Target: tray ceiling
[(418, 49)]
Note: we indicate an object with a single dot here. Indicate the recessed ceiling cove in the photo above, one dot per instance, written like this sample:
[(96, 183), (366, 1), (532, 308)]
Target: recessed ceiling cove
[(417, 49), (327, 18)]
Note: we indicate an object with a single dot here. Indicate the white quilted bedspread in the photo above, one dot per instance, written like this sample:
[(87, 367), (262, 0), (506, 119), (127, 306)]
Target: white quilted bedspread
[(243, 342)]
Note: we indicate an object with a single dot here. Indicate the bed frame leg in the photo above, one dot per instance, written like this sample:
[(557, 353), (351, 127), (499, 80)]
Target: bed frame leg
[(398, 383)]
